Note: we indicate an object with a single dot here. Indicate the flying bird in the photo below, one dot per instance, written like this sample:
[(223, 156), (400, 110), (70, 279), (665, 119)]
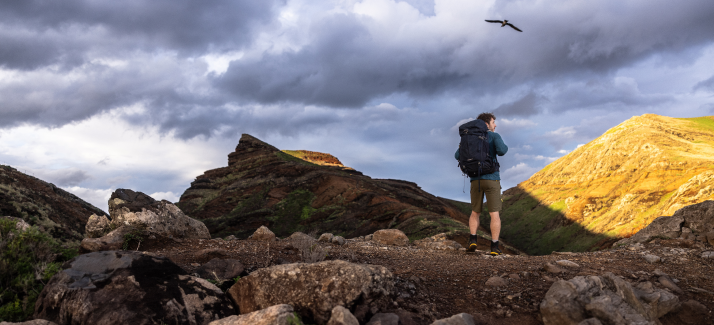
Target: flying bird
[(504, 23)]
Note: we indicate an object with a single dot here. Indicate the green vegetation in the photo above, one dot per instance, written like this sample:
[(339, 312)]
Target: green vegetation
[(290, 213), (540, 230), (289, 157), (420, 227), (134, 235), (28, 259), (705, 123)]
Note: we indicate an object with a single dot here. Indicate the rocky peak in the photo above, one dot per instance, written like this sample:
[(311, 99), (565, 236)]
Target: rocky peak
[(249, 146)]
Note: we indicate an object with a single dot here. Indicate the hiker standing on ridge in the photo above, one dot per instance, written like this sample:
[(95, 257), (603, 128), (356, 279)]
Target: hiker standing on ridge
[(477, 158)]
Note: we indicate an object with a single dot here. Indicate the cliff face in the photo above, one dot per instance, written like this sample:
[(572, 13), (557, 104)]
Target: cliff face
[(646, 167), (263, 186), (54, 210)]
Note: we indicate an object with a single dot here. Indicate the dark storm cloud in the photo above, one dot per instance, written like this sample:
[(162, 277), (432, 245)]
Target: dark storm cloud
[(346, 66), (189, 27), (63, 177), (705, 84), (342, 67), (528, 105), (601, 92)]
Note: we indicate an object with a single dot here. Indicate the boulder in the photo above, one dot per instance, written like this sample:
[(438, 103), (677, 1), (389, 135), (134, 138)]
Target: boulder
[(274, 315), (342, 316), (670, 227), (390, 237), (459, 319), (139, 210), (708, 255), (120, 287), (220, 269), (691, 312), (384, 319), (111, 241), (97, 226), (338, 240), (264, 234), (326, 238), (608, 298), (315, 289)]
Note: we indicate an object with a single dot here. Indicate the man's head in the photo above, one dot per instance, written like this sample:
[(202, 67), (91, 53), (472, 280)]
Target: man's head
[(490, 120)]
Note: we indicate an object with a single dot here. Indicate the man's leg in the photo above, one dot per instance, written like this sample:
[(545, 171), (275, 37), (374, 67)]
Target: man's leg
[(474, 221), (495, 224)]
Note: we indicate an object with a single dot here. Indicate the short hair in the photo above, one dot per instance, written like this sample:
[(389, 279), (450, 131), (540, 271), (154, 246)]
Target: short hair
[(486, 117)]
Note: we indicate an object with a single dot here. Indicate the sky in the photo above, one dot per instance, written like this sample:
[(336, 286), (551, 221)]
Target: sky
[(147, 95)]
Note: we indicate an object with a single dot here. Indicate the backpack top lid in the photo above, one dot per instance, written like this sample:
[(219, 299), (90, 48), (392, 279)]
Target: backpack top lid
[(479, 125)]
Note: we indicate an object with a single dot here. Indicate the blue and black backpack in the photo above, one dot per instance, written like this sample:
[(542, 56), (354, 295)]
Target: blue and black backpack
[(474, 157)]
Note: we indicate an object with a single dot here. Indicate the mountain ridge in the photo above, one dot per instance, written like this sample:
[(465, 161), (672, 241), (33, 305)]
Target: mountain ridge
[(641, 169)]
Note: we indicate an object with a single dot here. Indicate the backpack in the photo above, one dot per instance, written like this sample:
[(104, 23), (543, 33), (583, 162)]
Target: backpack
[(474, 157)]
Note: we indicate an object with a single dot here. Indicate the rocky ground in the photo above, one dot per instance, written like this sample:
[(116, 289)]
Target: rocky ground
[(496, 290)]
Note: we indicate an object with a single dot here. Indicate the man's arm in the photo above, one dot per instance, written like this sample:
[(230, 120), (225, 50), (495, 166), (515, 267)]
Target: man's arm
[(501, 148), (456, 155)]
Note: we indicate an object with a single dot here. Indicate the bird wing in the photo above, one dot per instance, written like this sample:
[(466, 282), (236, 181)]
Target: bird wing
[(514, 27), (495, 21)]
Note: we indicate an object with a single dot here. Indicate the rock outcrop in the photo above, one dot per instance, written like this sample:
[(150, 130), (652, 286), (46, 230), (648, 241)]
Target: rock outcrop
[(315, 289), (607, 298), (137, 213), (120, 287), (263, 186), (646, 167), (695, 222), (53, 210)]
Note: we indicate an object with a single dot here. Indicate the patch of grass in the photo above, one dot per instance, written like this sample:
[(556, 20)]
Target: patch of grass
[(288, 157), (291, 211), (135, 236), (705, 123), (28, 259)]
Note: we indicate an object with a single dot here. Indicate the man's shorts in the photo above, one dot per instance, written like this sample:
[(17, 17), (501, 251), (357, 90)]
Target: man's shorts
[(492, 190)]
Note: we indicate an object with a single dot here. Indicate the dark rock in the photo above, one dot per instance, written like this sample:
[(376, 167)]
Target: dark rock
[(691, 312), (496, 281), (220, 269), (315, 289), (120, 287), (384, 319), (608, 298)]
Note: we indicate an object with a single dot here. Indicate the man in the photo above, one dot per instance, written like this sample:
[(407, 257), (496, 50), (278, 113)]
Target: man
[(488, 185)]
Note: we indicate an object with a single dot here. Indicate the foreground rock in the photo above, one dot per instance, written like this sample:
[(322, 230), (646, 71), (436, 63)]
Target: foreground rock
[(136, 212), (315, 289), (275, 315), (390, 237), (119, 287), (438, 242), (607, 298)]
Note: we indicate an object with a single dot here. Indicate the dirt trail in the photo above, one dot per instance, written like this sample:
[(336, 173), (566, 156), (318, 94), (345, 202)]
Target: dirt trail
[(438, 284)]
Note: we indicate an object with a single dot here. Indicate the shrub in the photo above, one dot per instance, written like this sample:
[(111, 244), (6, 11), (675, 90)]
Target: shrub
[(28, 259)]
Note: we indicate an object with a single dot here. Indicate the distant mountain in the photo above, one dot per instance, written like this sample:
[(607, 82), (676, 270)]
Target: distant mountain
[(265, 186), (55, 211), (646, 167)]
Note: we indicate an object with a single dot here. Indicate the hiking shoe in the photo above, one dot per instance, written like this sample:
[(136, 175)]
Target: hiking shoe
[(472, 243), (494, 249)]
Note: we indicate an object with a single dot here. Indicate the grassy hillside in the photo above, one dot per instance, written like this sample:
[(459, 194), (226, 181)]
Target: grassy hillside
[(644, 168)]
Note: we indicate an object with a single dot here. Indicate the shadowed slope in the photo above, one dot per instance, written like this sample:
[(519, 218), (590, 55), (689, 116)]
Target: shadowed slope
[(644, 168)]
